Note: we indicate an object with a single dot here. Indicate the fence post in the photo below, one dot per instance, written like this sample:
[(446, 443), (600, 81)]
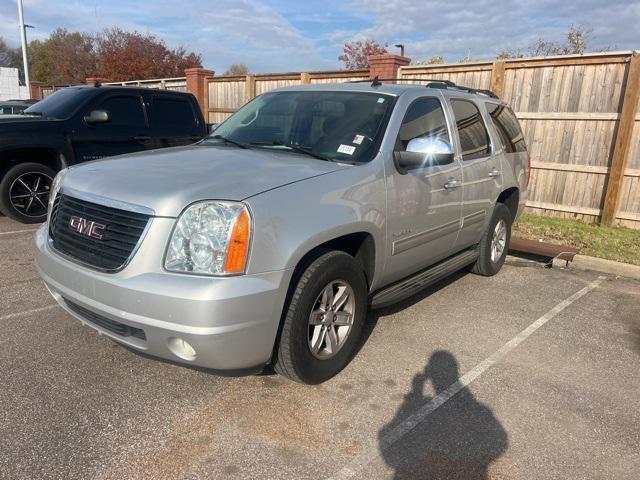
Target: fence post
[(305, 77), (250, 88), (622, 143), (35, 90), (497, 77)]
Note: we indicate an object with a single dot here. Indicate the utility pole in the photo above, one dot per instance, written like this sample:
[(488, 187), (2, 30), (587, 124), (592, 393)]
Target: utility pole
[(23, 39)]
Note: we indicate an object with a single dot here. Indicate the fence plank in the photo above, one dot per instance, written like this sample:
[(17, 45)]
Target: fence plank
[(623, 140)]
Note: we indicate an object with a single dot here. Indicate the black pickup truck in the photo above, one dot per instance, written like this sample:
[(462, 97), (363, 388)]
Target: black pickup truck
[(83, 123)]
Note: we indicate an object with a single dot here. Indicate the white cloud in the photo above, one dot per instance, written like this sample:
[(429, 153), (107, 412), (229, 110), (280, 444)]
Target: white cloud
[(451, 28)]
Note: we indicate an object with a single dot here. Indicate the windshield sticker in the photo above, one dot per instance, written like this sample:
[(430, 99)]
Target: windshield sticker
[(357, 139), (380, 100), (348, 149)]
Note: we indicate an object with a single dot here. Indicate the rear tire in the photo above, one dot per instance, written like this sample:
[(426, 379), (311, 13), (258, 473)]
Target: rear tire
[(24, 192), (494, 244), (323, 320)]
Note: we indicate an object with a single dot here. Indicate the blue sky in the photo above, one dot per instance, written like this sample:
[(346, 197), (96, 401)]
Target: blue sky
[(287, 35)]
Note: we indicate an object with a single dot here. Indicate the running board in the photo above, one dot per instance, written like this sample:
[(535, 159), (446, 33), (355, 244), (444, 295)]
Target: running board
[(421, 280)]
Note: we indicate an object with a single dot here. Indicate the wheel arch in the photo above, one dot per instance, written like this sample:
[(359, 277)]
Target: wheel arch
[(510, 198), (48, 156)]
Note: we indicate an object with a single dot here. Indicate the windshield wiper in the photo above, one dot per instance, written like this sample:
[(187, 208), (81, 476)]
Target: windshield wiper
[(297, 148), (228, 140)]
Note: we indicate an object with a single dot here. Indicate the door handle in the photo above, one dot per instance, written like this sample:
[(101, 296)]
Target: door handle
[(142, 138), (452, 184), (494, 173)]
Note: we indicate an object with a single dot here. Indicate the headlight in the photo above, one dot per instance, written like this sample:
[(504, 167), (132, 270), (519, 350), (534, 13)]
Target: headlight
[(210, 238), (55, 187)]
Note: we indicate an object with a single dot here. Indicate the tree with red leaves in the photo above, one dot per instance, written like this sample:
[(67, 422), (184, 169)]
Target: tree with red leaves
[(133, 55), (356, 54)]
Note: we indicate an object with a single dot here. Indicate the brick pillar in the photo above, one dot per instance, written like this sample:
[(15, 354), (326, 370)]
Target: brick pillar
[(93, 80), (195, 85), (35, 90), (386, 66)]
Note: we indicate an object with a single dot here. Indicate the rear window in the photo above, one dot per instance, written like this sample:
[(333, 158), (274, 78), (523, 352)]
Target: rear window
[(508, 128), (172, 114)]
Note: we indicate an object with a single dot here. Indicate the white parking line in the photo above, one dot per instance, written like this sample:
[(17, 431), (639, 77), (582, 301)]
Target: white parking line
[(371, 452), (18, 231), (28, 312)]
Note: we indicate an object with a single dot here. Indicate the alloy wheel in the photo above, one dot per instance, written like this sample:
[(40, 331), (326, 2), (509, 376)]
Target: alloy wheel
[(498, 241), (331, 319), (29, 193)]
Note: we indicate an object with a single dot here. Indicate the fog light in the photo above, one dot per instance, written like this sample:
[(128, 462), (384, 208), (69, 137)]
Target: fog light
[(182, 348)]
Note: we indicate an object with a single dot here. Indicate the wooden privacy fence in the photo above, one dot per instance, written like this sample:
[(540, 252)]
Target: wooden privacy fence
[(224, 95), (579, 115), (580, 118)]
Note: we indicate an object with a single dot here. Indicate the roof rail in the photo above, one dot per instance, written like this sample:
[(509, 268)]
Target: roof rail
[(430, 83)]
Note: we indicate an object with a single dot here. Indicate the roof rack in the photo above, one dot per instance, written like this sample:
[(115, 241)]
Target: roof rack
[(430, 83)]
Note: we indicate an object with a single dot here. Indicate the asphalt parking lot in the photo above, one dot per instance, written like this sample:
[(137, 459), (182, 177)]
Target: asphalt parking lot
[(531, 374)]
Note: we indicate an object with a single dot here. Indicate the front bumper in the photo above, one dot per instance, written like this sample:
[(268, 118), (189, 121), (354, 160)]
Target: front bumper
[(231, 322)]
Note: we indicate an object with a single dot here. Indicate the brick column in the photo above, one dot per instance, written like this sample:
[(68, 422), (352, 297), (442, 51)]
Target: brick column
[(35, 90), (196, 86), (386, 66)]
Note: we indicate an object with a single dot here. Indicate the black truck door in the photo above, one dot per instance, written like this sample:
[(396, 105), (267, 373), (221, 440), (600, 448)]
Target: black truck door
[(173, 121), (124, 129)]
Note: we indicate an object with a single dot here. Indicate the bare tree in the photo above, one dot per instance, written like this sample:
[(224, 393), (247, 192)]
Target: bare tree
[(237, 69), (576, 42)]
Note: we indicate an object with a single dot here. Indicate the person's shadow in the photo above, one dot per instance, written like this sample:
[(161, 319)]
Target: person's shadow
[(457, 440)]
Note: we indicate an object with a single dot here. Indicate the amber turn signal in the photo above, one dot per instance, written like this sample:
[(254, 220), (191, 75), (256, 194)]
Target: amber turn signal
[(238, 249)]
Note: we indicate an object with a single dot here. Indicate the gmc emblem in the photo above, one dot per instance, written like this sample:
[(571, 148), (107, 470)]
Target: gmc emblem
[(87, 227)]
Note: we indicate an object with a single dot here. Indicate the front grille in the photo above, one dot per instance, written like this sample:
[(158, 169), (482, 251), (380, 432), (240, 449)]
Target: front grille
[(108, 324), (120, 235)]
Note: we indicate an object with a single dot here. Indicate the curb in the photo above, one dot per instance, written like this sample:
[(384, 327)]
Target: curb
[(585, 262)]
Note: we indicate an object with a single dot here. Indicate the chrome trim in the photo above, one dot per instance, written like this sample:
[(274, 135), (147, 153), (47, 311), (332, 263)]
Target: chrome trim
[(418, 239), (473, 218), (107, 202), (115, 204)]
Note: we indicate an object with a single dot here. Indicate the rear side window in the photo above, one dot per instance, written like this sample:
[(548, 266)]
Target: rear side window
[(172, 114), (474, 137), (424, 118), (508, 128), (125, 111)]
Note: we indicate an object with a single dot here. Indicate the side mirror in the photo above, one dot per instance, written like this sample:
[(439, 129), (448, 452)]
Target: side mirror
[(424, 152), (97, 116)]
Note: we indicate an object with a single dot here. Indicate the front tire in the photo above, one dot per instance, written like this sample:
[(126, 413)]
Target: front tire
[(494, 244), (24, 192), (323, 320)]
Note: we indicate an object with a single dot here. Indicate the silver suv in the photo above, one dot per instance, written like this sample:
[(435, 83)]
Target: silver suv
[(266, 243)]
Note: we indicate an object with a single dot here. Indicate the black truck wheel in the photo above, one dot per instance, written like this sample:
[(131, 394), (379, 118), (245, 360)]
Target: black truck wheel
[(24, 192)]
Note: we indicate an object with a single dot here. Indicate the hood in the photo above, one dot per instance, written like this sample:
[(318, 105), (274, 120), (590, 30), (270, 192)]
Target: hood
[(170, 179), (22, 119), (17, 127)]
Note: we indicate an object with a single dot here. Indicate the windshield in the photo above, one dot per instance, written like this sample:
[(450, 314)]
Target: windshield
[(61, 104), (336, 126)]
